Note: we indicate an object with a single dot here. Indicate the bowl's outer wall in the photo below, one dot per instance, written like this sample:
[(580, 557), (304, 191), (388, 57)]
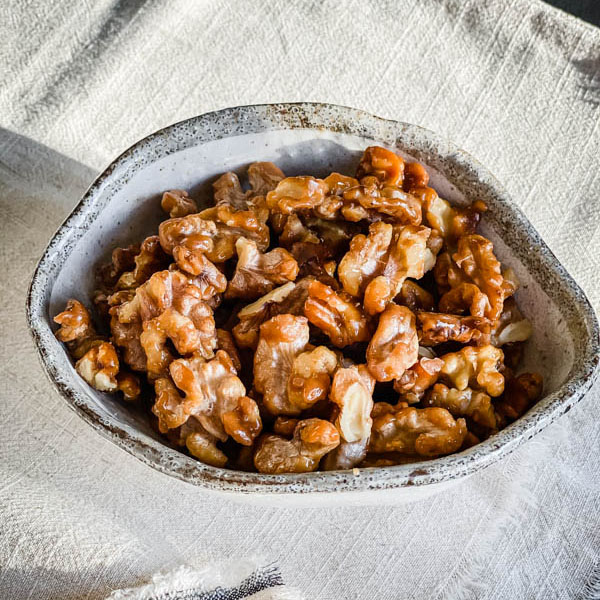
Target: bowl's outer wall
[(123, 206)]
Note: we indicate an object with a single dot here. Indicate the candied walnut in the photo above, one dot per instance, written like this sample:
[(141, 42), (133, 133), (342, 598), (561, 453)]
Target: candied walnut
[(315, 261), (451, 221), (439, 328), (285, 426), (297, 193), (257, 273), (466, 297), (365, 258), (313, 438), (243, 422), (288, 298), (232, 225), (129, 385), (447, 274), (387, 200), (310, 379), (413, 296), (228, 190), (192, 232), (75, 323), (352, 392), (415, 176), (202, 445), (511, 282), (282, 339), (346, 456), (512, 326), (475, 257), (264, 177), (473, 404), (380, 270), (395, 345), (335, 235), (477, 368), (382, 163), (336, 314), (418, 378), (177, 203), (206, 275), (99, 367), (520, 395), (226, 342), (127, 337), (295, 231), (150, 259), (426, 432)]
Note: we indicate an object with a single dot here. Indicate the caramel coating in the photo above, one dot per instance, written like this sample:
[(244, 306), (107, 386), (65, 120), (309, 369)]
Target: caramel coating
[(75, 322), (425, 432), (99, 366), (336, 314), (466, 297), (477, 368), (129, 385), (285, 426), (296, 193), (395, 345), (413, 296), (243, 422), (383, 164), (312, 439), (421, 376), (177, 203), (520, 395), (226, 342), (150, 259), (438, 328), (475, 405), (257, 273)]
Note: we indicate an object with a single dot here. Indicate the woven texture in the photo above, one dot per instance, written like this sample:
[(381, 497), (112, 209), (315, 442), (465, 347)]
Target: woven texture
[(516, 83)]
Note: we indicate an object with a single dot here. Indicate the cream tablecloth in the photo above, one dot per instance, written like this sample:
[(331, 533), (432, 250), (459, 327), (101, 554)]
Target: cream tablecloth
[(516, 83)]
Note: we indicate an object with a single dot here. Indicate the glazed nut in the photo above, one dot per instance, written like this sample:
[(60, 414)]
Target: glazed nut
[(226, 342), (336, 314), (466, 297), (203, 447), (312, 439), (177, 203), (395, 345), (384, 164), (520, 395), (418, 378), (352, 392), (477, 368), (512, 326), (438, 328), (257, 273), (99, 367), (475, 405), (425, 432), (297, 193), (75, 322), (243, 423), (413, 296), (129, 385)]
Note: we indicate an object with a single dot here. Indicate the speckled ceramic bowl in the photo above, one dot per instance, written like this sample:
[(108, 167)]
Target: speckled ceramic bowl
[(123, 205)]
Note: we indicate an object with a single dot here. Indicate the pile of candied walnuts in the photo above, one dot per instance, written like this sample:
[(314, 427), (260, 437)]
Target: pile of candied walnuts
[(311, 323)]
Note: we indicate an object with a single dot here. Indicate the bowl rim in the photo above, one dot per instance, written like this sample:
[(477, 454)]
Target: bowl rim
[(424, 145)]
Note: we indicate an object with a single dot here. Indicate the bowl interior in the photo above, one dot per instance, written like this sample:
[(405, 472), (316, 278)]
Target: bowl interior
[(133, 211)]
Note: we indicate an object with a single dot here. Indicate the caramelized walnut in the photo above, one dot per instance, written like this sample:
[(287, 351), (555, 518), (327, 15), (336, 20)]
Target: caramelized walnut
[(201, 444), (285, 426), (336, 314), (473, 404), (313, 438), (287, 299), (177, 203), (226, 342), (477, 368), (466, 297), (129, 385), (475, 257), (395, 345), (425, 432), (413, 296), (384, 164), (257, 273), (127, 337), (243, 422), (294, 231), (352, 392), (450, 221), (520, 395), (99, 366), (297, 193), (75, 323), (421, 376), (512, 326), (309, 379), (438, 328)]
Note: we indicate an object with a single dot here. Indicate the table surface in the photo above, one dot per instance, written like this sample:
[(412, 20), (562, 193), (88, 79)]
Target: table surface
[(515, 83)]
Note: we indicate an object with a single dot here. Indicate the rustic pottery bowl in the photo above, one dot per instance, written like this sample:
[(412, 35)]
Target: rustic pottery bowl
[(122, 205)]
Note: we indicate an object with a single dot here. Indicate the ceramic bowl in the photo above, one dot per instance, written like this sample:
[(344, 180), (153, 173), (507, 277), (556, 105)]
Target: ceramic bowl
[(122, 206)]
